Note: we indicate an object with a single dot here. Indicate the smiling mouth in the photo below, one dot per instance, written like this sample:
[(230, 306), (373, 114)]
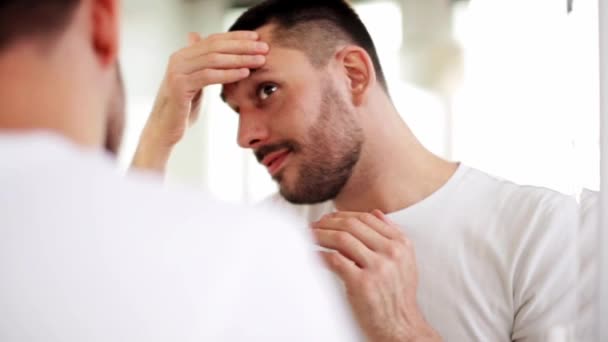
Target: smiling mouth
[(275, 161)]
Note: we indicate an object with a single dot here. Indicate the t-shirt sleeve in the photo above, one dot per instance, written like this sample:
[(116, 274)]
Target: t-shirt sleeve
[(545, 290)]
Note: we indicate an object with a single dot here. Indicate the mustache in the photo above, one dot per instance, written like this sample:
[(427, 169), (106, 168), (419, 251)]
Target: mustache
[(263, 151)]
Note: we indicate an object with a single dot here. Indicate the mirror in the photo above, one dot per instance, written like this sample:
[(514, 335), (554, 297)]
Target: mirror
[(507, 89)]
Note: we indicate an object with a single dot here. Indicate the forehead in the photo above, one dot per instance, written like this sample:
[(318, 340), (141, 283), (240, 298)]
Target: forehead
[(284, 63)]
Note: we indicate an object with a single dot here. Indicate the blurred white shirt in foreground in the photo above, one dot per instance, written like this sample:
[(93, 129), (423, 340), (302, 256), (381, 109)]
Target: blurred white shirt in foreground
[(87, 255)]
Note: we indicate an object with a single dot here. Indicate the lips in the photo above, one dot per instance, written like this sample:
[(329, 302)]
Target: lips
[(274, 161)]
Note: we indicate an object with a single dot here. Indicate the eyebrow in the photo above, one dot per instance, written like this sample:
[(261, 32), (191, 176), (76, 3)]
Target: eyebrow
[(260, 71)]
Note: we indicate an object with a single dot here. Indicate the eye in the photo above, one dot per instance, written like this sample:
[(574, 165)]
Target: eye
[(266, 90)]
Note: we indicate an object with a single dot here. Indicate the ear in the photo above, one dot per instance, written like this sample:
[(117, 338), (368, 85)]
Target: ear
[(359, 70), (105, 30)]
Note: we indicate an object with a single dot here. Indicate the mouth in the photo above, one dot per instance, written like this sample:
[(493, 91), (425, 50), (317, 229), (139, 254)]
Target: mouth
[(275, 161)]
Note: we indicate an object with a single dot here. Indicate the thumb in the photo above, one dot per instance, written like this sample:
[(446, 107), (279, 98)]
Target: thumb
[(193, 38)]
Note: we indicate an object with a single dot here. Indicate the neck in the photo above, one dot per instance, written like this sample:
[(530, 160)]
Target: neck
[(37, 94), (395, 171)]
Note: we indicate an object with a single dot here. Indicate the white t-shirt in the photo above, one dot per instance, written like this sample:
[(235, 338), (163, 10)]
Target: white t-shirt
[(497, 261), (588, 263), (87, 255)]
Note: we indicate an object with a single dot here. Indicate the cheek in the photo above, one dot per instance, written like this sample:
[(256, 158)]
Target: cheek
[(291, 122), (309, 113), (292, 173)]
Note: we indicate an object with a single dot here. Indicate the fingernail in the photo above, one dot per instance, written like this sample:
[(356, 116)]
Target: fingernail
[(259, 59), (262, 46)]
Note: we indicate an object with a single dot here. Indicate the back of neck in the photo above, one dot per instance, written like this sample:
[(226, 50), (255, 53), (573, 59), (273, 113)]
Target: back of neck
[(36, 97)]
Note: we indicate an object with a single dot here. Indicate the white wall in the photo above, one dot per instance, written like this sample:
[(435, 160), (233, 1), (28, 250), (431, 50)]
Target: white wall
[(527, 110), (152, 31)]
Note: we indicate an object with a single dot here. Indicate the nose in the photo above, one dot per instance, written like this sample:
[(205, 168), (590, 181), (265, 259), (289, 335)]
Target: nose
[(252, 130)]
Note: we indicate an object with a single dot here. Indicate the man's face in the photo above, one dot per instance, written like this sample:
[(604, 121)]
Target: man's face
[(299, 124)]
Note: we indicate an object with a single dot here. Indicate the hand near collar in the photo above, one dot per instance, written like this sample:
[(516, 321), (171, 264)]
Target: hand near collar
[(377, 264)]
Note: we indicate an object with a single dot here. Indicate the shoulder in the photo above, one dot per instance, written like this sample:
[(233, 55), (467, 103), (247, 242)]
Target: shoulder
[(140, 198), (545, 206), (516, 199)]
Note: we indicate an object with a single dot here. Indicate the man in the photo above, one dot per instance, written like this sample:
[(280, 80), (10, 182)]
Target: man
[(86, 255), (496, 261)]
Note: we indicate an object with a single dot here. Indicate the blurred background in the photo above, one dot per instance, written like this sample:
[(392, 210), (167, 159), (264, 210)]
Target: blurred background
[(509, 87)]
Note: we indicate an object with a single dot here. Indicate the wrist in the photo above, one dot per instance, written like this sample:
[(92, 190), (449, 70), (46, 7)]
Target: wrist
[(416, 328), (427, 336), (422, 331)]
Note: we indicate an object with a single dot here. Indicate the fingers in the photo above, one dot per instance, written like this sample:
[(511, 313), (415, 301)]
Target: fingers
[(380, 215), (237, 47), (237, 42), (224, 51), (346, 244), (206, 77), (340, 265), (223, 61), (370, 237), (236, 35), (380, 225), (194, 38), (243, 36)]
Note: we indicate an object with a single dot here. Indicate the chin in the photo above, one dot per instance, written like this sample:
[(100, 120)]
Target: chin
[(285, 187), (295, 191), (289, 191), (284, 179), (301, 195)]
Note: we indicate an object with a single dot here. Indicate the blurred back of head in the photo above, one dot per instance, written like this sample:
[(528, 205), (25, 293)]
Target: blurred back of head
[(23, 19), (58, 70)]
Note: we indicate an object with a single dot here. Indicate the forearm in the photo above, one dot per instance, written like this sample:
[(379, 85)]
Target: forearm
[(160, 134), (153, 151)]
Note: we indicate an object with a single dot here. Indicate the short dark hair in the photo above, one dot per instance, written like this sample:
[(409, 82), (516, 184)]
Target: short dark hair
[(313, 26), (30, 18)]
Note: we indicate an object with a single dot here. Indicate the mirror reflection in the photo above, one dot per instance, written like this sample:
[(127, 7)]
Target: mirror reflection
[(389, 170)]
